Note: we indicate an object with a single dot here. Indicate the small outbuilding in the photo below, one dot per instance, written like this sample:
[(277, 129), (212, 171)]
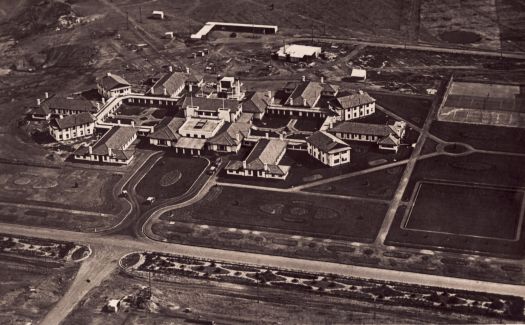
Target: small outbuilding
[(358, 75), (157, 14)]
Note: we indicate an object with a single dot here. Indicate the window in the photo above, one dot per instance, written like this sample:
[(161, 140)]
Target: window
[(336, 161)]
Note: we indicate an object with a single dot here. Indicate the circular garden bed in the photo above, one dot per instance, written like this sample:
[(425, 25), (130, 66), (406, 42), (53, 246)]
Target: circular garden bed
[(170, 178)]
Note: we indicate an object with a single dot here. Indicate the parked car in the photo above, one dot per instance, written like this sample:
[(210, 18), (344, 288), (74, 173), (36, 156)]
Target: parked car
[(211, 170), (217, 161)]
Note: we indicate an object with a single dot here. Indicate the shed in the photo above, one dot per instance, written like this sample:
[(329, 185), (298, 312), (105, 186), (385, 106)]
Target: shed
[(112, 305), (157, 14), (358, 74)]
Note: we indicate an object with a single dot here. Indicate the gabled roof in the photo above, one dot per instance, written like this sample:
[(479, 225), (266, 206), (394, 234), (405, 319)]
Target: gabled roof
[(308, 91), (70, 121), (168, 128), (352, 99), (390, 140), (111, 81), (380, 130), (256, 102), (73, 104), (172, 81), (211, 104), (194, 77), (115, 139), (326, 142), (40, 110), (228, 135), (266, 151)]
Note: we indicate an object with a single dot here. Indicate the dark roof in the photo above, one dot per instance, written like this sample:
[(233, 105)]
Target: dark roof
[(194, 77), (390, 140), (79, 105), (326, 142), (266, 152), (70, 121), (168, 128), (210, 104), (352, 99), (40, 110), (256, 102), (114, 139), (308, 91), (227, 136), (380, 130), (111, 81), (171, 81)]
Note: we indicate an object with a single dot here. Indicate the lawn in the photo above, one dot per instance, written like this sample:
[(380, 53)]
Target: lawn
[(305, 124), (162, 181), (478, 168), (412, 109), (306, 169), (398, 236), (273, 122), (381, 184), (482, 137), (468, 210), (287, 213), (58, 187)]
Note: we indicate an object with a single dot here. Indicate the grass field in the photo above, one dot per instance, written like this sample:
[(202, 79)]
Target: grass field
[(306, 169), (505, 171), (483, 137), (58, 187), (398, 236), (412, 109), (468, 210), (449, 218), (295, 214), (381, 184), (156, 182)]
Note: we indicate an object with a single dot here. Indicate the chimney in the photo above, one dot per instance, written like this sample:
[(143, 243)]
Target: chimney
[(170, 68), (38, 101), (98, 106), (103, 100), (331, 125), (238, 137), (152, 90), (281, 136), (267, 136), (304, 102), (109, 74), (322, 79), (190, 87), (165, 91), (265, 167), (270, 94), (132, 123), (303, 78), (118, 122), (46, 94), (187, 70), (244, 164), (110, 152), (360, 92), (90, 150)]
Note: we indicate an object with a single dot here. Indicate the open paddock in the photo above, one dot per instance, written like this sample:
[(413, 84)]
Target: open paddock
[(483, 137), (295, 214)]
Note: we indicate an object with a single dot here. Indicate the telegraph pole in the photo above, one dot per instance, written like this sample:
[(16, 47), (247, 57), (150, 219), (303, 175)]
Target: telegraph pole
[(140, 15), (127, 20)]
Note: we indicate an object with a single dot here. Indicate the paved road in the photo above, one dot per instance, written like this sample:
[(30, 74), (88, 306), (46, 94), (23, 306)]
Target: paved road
[(416, 153), (123, 244)]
